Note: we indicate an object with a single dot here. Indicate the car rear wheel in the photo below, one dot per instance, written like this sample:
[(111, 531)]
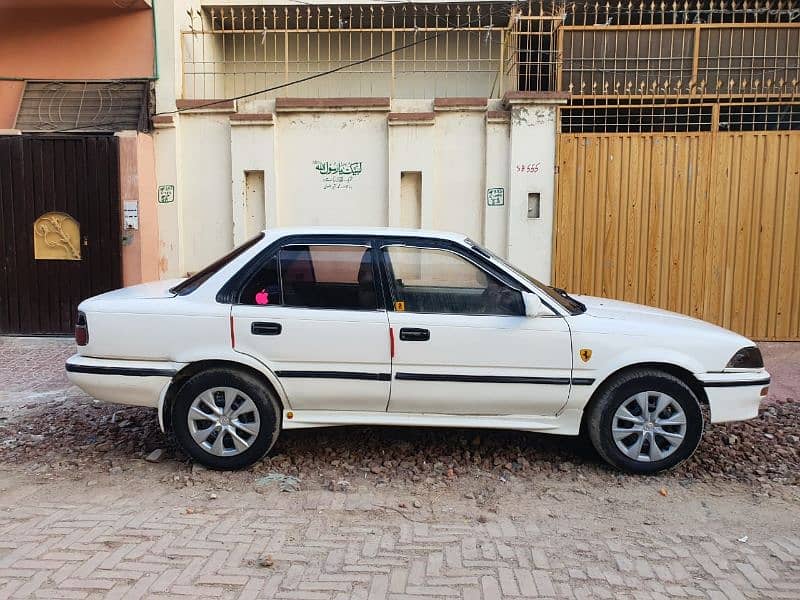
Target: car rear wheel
[(226, 419), (645, 421)]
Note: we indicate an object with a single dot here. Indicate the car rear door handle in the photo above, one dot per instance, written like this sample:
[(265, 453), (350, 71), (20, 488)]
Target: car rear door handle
[(413, 334), (266, 328)]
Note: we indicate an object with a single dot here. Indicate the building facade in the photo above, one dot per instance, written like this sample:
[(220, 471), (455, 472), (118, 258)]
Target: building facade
[(642, 151), (375, 114), (75, 153)]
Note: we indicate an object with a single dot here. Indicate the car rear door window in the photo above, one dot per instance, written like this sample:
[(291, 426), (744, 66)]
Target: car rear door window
[(264, 287), (434, 280), (327, 276)]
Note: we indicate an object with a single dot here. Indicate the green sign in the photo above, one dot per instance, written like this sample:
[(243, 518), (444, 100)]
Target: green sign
[(495, 196), (339, 174), (166, 194)]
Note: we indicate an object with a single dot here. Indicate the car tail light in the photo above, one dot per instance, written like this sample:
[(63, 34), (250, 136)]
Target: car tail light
[(81, 330)]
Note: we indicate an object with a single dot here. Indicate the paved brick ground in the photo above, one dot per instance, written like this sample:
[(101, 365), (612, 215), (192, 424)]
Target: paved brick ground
[(150, 531), (135, 542)]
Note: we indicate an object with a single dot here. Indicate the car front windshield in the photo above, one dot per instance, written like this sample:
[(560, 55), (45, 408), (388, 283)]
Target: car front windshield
[(561, 297)]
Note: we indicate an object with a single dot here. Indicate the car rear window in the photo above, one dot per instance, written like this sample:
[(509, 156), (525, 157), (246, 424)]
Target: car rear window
[(189, 285)]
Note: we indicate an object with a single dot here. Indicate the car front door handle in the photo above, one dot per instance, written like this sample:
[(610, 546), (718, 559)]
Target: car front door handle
[(413, 334), (266, 328)]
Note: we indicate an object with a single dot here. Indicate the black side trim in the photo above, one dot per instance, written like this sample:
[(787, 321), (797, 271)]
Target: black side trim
[(335, 375), (129, 371), (736, 383), (582, 381), (491, 379)]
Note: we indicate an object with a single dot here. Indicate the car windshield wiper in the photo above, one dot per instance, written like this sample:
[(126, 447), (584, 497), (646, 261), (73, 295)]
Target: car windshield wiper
[(563, 293)]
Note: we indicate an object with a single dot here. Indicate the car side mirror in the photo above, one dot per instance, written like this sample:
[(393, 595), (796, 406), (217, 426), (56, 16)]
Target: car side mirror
[(533, 304)]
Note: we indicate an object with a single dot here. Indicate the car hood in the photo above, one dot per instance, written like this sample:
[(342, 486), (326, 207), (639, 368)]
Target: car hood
[(617, 309), (616, 313)]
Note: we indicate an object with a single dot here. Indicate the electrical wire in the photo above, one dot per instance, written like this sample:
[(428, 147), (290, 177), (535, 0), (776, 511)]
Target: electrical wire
[(300, 80)]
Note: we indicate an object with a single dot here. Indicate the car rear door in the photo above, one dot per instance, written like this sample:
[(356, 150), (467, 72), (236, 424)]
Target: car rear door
[(312, 313), (463, 344)]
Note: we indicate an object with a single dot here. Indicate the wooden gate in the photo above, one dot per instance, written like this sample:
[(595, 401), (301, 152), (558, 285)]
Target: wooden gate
[(59, 229), (705, 224)]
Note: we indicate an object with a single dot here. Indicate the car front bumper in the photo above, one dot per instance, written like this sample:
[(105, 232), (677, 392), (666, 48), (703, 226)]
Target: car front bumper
[(734, 396), (134, 382)]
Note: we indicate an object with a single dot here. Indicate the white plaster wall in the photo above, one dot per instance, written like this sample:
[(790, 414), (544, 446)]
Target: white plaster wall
[(495, 220), (252, 148), (206, 188), (460, 149), (533, 135), (459, 156), (333, 137), (412, 148), (168, 172)]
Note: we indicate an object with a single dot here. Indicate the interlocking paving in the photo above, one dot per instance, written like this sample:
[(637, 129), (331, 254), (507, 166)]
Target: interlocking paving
[(146, 532), (164, 544)]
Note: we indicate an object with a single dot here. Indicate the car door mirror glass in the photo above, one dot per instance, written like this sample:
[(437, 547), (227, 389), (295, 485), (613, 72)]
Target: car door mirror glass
[(533, 304)]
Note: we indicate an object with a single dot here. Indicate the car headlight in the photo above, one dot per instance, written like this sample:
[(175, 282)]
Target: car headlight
[(746, 358)]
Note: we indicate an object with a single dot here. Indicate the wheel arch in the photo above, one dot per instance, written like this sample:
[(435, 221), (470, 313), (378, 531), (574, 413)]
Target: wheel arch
[(193, 368), (681, 373)]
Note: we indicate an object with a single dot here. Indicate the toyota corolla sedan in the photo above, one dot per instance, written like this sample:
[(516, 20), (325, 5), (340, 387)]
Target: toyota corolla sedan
[(324, 327)]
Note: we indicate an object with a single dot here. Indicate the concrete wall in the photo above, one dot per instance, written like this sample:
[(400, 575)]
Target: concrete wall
[(340, 166)]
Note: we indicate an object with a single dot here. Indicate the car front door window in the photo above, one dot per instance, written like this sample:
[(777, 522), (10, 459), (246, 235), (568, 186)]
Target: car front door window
[(434, 280)]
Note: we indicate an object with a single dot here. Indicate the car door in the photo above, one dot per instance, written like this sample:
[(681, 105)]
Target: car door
[(311, 313), (463, 344)]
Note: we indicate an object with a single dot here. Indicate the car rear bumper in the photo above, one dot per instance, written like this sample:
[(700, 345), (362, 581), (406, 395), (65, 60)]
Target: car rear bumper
[(734, 396), (134, 382)]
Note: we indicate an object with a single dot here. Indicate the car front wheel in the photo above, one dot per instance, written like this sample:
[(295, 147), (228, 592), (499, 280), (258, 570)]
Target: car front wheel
[(226, 419), (645, 421)]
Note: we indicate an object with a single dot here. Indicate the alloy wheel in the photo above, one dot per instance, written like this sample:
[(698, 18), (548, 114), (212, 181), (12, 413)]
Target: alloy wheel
[(224, 421), (649, 426)]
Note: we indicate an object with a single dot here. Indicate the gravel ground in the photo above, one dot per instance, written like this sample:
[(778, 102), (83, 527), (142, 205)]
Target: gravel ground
[(57, 431), (64, 436)]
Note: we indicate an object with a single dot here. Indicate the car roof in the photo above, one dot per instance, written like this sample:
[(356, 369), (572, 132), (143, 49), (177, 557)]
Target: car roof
[(279, 232)]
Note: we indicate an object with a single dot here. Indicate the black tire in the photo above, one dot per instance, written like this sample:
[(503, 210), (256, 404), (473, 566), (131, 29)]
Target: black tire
[(600, 419), (269, 415)]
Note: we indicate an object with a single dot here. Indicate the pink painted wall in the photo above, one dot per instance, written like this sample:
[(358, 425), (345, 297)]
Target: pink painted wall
[(10, 95), (74, 42), (138, 183)]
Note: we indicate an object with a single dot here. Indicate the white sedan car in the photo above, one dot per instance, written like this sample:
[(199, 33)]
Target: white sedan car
[(322, 327)]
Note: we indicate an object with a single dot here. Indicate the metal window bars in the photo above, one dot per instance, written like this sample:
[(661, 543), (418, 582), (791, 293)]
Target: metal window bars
[(603, 54), (408, 50)]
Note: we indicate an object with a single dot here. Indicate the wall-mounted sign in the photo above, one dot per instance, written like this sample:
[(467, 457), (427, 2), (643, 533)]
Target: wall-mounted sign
[(130, 213), (56, 236), (495, 196), (166, 194), (338, 175)]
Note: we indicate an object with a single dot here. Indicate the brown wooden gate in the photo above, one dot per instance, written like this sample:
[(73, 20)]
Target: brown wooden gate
[(706, 224), (59, 229)]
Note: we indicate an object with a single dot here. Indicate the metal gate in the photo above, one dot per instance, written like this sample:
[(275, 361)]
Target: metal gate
[(59, 229), (702, 223)]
